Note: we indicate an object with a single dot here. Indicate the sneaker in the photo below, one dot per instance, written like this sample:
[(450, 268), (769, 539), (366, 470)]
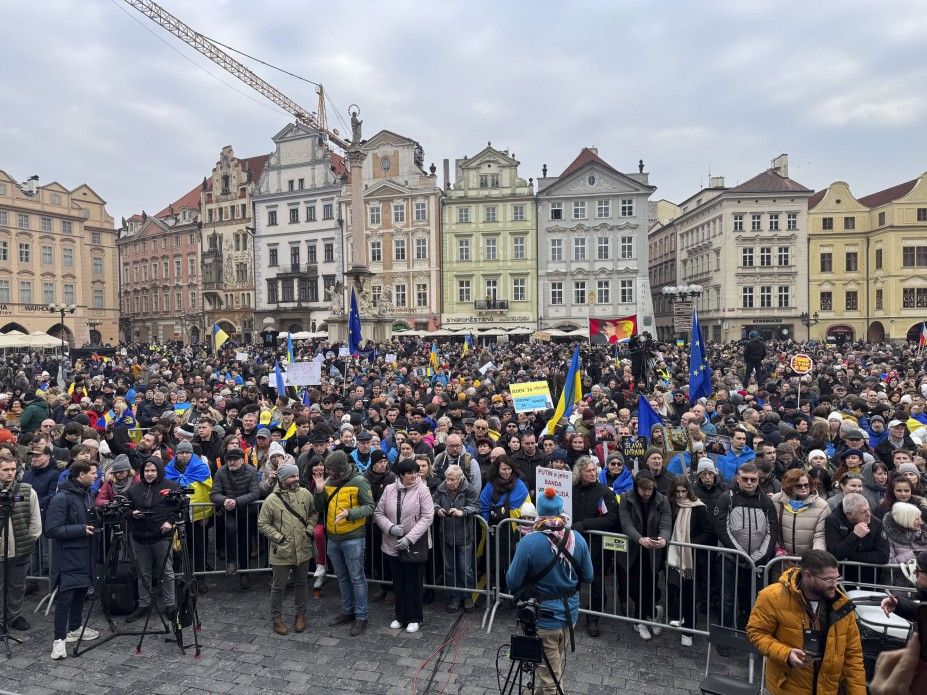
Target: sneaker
[(675, 623), (319, 581), (395, 625), (136, 614), (358, 628), (412, 627), (658, 618), (59, 650), (89, 635), (319, 571), (642, 631), (20, 623), (686, 640)]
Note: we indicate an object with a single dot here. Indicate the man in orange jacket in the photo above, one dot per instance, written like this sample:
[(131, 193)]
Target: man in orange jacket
[(806, 628)]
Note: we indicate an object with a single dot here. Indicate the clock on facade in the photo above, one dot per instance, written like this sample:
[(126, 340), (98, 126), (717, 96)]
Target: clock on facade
[(385, 164)]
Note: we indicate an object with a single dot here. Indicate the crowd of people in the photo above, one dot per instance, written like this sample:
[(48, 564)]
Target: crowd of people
[(398, 451)]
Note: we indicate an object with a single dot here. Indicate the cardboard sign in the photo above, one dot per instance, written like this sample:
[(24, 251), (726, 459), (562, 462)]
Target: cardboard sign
[(531, 396), (304, 374), (390, 358), (561, 481), (343, 351), (801, 363), (486, 367), (241, 356), (634, 449)]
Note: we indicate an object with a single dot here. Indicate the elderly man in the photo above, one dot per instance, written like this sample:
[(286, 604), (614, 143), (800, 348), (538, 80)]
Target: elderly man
[(852, 533), (897, 438), (455, 455)]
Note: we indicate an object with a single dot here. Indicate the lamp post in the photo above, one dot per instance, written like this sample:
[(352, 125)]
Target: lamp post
[(679, 293), (809, 320), (62, 309)]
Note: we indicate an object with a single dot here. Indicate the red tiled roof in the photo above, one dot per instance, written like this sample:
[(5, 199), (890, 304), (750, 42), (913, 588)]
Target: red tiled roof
[(135, 218), (874, 200), (255, 165), (586, 156), (816, 198), (338, 166), (191, 199), (769, 182)]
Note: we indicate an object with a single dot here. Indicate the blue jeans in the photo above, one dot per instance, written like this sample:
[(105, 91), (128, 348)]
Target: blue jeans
[(347, 557), (458, 567)]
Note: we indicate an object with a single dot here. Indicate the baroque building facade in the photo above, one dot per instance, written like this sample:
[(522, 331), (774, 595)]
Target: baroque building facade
[(490, 248), (592, 244), (747, 247), (228, 284), (868, 258), (402, 213), (298, 241), (57, 246)]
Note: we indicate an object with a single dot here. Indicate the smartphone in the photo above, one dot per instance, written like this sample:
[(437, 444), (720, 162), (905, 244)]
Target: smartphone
[(812, 644), (922, 629)]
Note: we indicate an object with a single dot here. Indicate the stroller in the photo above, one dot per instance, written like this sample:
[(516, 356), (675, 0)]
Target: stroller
[(878, 632)]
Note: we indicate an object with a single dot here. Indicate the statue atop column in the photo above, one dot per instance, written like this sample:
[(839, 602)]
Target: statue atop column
[(356, 124), (334, 295)]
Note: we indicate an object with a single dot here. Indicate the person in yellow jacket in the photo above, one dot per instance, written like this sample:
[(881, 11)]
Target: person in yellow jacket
[(806, 628)]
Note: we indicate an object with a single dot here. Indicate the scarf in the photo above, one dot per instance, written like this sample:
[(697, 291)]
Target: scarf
[(557, 526), (681, 557)]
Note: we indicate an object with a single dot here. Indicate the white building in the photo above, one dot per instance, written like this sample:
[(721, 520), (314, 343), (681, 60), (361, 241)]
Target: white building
[(592, 245), (297, 231), (747, 246)]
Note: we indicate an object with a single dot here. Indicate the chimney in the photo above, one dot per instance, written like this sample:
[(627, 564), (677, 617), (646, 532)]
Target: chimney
[(447, 174), (594, 150), (780, 165), (716, 182)]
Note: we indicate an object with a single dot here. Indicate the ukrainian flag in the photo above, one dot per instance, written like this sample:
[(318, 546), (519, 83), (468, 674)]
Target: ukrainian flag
[(218, 336), (433, 356), (571, 394), (468, 343)]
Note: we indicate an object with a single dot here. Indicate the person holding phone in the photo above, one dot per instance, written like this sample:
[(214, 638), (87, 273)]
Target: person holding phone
[(805, 626), (905, 607)]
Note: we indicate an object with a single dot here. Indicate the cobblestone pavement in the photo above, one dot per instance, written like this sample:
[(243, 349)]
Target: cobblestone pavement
[(242, 655)]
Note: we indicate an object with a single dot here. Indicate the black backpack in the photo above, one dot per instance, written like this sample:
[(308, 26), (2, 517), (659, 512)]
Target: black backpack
[(120, 595), (186, 603)]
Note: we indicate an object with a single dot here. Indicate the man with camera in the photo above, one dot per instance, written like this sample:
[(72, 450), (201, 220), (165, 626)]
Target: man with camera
[(19, 505), (150, 527), (806, 628), (549, 565)]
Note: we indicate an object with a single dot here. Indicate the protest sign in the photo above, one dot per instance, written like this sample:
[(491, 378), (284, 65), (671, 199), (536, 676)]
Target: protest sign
[(530, 396), (634, 450), (241, 356), (304, 374), (561, 481)]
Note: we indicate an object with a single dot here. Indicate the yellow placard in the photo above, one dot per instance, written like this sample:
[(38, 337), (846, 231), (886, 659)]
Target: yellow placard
[(614, 543), (530, 396), (801, 363)]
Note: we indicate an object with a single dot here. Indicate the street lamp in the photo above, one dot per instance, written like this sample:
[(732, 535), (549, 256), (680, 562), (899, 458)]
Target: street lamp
[(62, 309), (809, 320), (680, 293)]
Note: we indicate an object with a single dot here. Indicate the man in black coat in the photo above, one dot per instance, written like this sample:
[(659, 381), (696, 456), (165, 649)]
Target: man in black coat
[(150, 527), (68, 525), (754, 353), (852, 533)]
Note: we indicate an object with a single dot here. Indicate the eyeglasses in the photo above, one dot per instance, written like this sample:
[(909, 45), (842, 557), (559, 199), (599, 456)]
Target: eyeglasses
[(751, 479), (828, 580), (800, 486)]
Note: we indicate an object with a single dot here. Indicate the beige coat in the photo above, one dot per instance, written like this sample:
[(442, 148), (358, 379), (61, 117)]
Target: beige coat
[(802, 530), (291, 541)]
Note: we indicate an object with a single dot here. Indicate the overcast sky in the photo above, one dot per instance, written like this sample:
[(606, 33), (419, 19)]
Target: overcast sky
[(92, 95)]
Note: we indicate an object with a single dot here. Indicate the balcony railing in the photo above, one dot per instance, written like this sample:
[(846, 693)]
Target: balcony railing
[(491, 305)]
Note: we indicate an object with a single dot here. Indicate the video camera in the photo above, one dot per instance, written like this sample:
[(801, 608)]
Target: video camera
[(176, 499), (527, 614), (112, 513)]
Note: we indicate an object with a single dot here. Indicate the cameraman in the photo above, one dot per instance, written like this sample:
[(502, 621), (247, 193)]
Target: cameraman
[(551, 562), (150, 528)]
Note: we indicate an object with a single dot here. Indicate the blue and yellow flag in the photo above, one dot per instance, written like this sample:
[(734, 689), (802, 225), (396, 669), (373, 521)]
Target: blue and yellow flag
[(218, 336), (468, 343), (289, 349), (571, 394)]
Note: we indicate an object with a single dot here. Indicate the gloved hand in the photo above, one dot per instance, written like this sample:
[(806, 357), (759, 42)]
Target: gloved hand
[(396, 531), (403, 543)]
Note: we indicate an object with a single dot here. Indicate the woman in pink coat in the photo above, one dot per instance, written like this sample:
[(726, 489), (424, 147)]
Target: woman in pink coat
[(404, 514)]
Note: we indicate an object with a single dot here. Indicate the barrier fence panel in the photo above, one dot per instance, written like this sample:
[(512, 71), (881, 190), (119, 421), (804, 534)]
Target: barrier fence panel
[(504, 538)]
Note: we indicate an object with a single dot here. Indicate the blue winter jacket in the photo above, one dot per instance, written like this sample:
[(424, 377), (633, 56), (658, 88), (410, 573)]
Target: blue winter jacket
[(729, 463)]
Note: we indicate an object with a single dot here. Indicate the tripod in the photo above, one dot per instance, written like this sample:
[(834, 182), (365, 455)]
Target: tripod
[(527, 653), (6, 511), (185, 606), (107, 572)]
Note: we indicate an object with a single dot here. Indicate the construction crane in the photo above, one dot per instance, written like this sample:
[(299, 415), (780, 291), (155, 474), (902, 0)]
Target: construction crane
[(190, 36)]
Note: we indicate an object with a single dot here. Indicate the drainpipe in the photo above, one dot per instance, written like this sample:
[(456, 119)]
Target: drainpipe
[(868, 239)]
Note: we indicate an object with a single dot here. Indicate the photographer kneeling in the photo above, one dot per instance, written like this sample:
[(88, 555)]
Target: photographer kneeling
[(150, 527), (549, 564)]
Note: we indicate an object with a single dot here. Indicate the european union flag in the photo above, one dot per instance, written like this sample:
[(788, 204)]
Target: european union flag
[(647, 417), (699, 371), (289, 348), (354, 326), (306, 400)]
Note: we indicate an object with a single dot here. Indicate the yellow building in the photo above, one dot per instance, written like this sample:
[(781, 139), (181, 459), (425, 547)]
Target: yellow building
[(868, 258), (57, 246)]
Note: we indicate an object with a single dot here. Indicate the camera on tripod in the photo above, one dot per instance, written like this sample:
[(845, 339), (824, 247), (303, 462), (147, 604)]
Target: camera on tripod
[(177, 499), (112, 513)]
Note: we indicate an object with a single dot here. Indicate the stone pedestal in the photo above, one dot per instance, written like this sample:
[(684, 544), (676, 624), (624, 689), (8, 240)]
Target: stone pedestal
[(379, 329)]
